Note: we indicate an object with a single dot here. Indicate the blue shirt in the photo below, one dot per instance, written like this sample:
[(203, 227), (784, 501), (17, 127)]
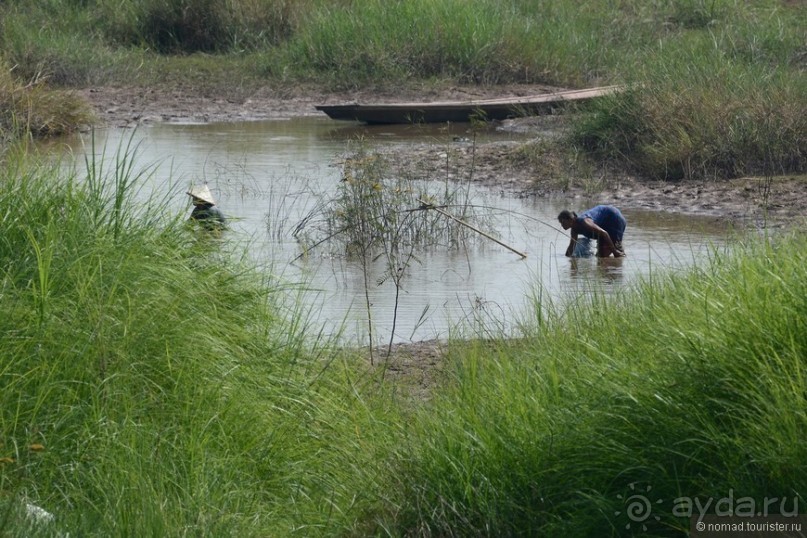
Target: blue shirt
[(606, 217)]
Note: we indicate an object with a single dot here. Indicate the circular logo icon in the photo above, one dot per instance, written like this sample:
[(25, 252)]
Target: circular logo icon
[(638, 508)]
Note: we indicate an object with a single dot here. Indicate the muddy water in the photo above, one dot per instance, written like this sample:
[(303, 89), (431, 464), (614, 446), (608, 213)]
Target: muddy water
[(268, 176)]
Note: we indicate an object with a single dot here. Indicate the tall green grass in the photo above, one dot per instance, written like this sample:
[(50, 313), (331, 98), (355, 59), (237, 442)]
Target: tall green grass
[(149, 383), (58, 42), (477, 42), (362, 42), (714, 91), (690, 386)]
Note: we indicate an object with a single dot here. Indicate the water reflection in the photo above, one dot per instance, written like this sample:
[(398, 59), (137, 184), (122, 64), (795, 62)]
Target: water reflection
[(270, 176), (606, 270)]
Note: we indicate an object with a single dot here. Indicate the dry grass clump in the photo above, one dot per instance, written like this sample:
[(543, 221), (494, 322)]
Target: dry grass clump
[(36, 110), (715, 127)]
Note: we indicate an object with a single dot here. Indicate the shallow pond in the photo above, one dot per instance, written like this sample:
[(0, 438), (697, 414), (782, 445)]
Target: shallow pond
[(267, 177)]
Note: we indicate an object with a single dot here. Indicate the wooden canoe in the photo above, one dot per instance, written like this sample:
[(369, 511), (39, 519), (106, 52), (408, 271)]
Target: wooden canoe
[(460, 111)]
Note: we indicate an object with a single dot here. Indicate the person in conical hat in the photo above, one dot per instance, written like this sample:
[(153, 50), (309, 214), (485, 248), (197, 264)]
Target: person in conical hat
[(202, 193), (204, 208)]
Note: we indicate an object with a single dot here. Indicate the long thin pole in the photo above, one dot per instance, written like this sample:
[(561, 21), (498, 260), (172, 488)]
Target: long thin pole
[(477, 230)]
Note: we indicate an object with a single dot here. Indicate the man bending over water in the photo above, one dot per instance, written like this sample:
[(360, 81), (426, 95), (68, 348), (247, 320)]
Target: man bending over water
[(604, 223)]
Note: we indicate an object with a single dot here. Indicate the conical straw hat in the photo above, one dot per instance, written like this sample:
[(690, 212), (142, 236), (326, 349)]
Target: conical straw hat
[(202, 193)]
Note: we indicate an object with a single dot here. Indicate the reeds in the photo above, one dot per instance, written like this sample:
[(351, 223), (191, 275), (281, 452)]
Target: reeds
[(369, 41), (480, 42), (376, 206)]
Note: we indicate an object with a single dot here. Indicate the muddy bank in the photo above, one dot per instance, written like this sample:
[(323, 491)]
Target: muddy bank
[(127, 107), (749, 201)]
